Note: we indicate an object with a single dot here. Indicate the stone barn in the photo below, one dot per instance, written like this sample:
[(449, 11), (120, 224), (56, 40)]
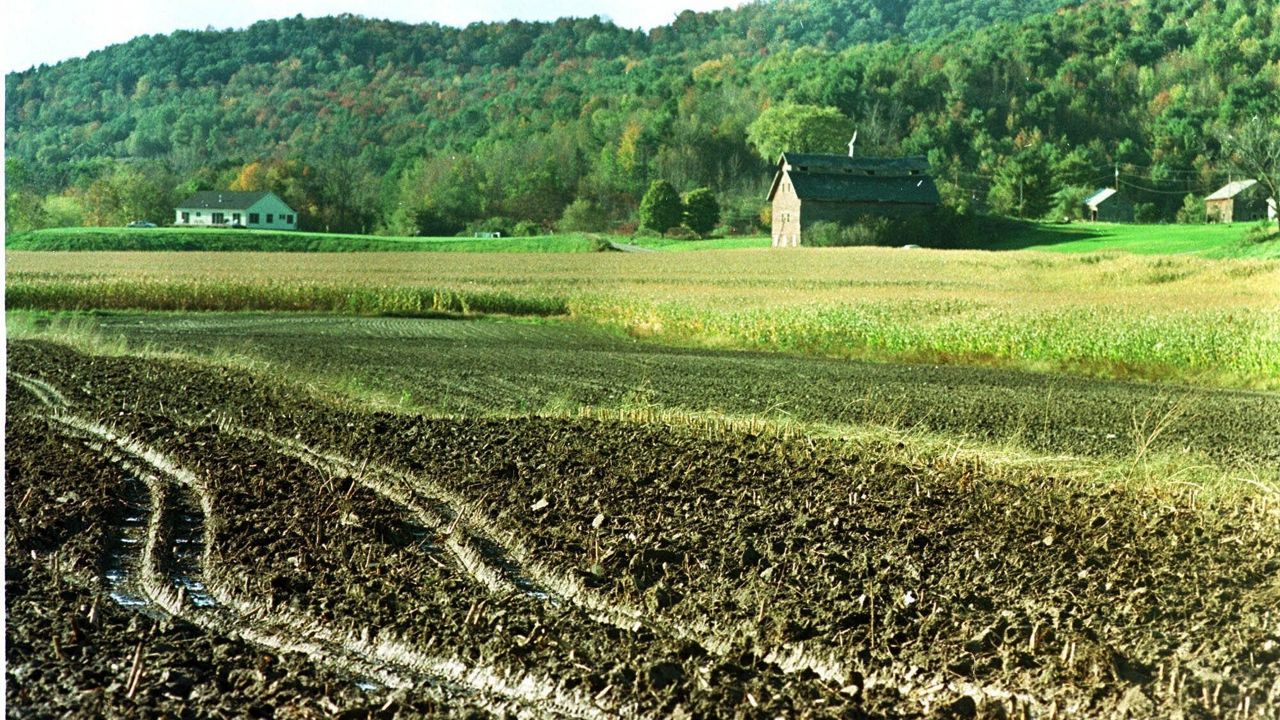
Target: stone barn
[(1239, 201), (809, 189)]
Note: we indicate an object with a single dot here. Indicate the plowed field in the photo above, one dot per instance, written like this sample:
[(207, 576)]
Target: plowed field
[(188, 540)]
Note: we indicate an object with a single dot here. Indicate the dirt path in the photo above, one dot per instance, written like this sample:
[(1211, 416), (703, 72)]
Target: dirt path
[(589, 569)]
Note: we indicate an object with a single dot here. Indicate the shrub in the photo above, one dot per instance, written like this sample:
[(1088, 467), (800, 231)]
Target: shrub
[(583, 215), (680, 232), (1146, 213), (1260, 233), (526, 228), (430, 223), (942, 228), (823, 234)]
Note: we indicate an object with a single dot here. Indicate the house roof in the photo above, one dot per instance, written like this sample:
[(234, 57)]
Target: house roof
[(1230, 190), (836, 178), (1100, 197), (224, 200)]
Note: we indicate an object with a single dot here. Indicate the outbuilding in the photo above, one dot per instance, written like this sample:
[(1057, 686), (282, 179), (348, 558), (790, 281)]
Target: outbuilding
[(1238, 201), (1108, 205), (809, 189), (224, 208)]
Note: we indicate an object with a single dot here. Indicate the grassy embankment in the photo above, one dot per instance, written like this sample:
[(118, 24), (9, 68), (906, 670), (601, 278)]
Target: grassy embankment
[(1216, 241), (1180, 319)]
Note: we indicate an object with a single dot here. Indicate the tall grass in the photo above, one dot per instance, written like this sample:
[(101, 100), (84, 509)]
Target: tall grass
[(235, 240), (1213, 347), (196, 296), (1179, 319)]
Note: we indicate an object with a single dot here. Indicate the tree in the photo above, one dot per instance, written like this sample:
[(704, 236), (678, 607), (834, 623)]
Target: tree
[(660, 208), (1192, 210), (1253, 150), (701, 211), (799, 128)]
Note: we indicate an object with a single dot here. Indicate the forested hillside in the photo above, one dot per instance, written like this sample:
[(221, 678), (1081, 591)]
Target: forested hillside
[(369, 125)]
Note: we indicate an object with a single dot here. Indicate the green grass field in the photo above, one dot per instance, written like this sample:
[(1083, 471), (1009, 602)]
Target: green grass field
[(1216, 241)]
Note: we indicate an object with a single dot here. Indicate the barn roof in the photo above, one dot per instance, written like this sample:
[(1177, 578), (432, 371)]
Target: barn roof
[(223, 200), (1230, 190), (836, 178), (1100, 197)]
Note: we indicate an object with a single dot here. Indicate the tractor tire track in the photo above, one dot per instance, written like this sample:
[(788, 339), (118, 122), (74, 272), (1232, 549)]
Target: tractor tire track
[(497, 559), (217, 607)]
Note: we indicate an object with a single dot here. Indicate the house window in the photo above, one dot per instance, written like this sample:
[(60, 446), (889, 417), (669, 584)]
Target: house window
[(270, 218), (199, 214), (288, 219), (235, 218), (186, 217), (219, 218), (253, 218)]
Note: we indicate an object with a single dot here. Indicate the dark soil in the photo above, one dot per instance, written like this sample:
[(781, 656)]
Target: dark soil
[(766, 576), (477, 367)]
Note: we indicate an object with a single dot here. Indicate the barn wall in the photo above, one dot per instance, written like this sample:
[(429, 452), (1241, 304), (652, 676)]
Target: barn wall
[(786, 215), (1115, 210)]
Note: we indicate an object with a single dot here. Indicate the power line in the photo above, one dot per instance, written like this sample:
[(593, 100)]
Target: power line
[(1191, 191)]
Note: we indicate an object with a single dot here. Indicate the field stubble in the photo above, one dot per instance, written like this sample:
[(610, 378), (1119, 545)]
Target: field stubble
[(1168, 318)]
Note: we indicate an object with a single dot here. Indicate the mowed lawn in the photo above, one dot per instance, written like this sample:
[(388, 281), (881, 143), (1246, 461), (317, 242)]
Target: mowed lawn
[(1218, 241)]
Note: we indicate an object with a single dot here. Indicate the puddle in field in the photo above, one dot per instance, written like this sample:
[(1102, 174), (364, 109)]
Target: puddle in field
[(124, 547), (495, 554)]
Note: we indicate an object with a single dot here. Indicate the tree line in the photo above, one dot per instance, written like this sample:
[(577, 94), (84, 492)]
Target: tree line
[(375, 126)]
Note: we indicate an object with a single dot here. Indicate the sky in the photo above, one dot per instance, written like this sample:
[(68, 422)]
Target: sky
[(47, 31)]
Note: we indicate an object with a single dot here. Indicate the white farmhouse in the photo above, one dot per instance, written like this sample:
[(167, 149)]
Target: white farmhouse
[(222, 208)]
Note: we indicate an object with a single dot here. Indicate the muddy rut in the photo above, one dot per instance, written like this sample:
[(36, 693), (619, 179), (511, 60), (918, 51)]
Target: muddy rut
[(555, 568)]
